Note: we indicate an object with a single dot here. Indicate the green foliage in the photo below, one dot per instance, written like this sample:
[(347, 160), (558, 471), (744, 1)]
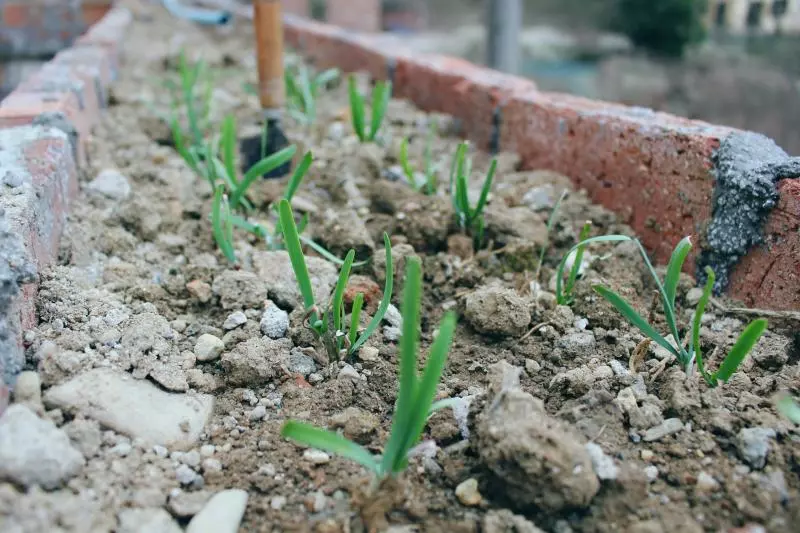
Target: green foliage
[(431, 184), (550, 223), (469, 219), (415, 395), (663, 27), (329, 324), (302, 90), (686, 355), (381, 94)]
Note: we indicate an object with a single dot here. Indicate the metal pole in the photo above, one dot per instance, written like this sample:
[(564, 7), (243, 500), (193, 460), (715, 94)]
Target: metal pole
[(503, 27)]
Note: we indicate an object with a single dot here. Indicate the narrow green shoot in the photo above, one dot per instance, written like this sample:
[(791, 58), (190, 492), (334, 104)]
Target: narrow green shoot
[(469, 218), (330, 327), (576, 263), (550, 223), (381, 94), (221, 225), (355, 319), (302, 91), (686, 355), (414, 399), (430, 185)]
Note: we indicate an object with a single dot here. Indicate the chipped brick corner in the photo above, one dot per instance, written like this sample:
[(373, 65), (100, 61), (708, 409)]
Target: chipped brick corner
[(655, 170), (45, 125)]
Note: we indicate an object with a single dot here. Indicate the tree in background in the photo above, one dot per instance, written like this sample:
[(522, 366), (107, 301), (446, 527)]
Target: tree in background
[(662, 27)]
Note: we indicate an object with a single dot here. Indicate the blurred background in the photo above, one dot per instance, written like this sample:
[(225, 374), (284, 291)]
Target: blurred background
[(731, 62)]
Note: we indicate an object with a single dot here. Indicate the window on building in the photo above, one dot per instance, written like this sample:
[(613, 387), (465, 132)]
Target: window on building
[(721, 14), (779, 8), (754, 14)]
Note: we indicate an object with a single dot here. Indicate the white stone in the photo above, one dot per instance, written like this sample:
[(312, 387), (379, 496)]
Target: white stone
[(467, 492), (135, 408), (318, 457), (155, 520), (651, 472), (222, 514), (348, 372), (185, 475), (34, 451), (667, 427), (234, 320), (274, 322), (603, 465), (111, 184), (212, 465), (28, 389), (208, 347)]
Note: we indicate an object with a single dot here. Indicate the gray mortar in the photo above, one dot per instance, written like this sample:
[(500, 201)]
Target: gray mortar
[(60, 121), (747, 168), (15, 270)]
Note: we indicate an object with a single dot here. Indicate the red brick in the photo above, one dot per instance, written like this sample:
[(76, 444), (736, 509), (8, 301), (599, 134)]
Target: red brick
[(360, 15), (53, 77), (22, 107), (16, 14), (109, 34), (769, 276), (94, 11), (94, 60)]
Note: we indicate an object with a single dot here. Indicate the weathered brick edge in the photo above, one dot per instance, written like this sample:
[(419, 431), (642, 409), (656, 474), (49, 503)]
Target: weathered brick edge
[(657, 171), (45, 125)]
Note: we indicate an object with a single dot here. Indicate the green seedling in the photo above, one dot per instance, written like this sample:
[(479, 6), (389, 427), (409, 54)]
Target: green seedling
[(550, 223), (431, 184), (222, 225), (381, 94), (469, 219), (302, 90), (690, 353), (415, 395), (565, 296), (788, 407), (329, 325)]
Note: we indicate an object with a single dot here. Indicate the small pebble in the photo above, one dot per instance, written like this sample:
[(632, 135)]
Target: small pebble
[(211, 465), (467, 492), (207, 450), (348, 372), (191, 458), (259, 413), (208, 347), (160, 451), (234, 320), (28, 389), (277, 502), (647, 455), (274, 322), (651, 472), (12, 180), (317, 457), (368, 353), (122, 449), (706, 483), (185, 475)]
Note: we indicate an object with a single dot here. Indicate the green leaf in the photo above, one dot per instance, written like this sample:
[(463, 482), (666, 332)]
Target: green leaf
[(674, 268), (560, 296), (385, 300), (329, 441), (669, 308), (456, 168), (409, 345), (380, 103), (324, 78), (426, 388), (355, 318), (218, 226), (576, 263), (356, 108), (337, 305), (405, 165), (267, 164), (696, 322), (326, 254), (788, 408), (633, 317), (747, 340), (487, 187), (295, 251), (298, 175), (228, 145)]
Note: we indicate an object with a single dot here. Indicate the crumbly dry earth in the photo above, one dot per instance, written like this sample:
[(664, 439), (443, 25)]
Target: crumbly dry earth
[(166, 373)]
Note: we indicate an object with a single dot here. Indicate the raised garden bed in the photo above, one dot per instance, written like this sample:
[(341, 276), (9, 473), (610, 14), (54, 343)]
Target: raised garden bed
[(167, 372)]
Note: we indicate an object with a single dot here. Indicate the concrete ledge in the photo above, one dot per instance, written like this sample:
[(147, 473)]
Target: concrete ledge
[(45, 125), (664, 175)]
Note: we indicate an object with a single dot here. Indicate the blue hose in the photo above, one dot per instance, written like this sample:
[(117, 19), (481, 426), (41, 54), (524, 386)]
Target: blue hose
[(199, 15)]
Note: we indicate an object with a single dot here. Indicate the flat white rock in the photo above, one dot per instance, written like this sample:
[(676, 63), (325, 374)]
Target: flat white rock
[(34, 451), (134, 407), (222, 514)]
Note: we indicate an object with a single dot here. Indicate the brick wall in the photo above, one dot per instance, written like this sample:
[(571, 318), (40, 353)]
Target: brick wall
[(360, 15)]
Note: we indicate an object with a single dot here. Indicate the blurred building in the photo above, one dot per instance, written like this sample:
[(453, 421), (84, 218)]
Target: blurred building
[(755, 16)]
